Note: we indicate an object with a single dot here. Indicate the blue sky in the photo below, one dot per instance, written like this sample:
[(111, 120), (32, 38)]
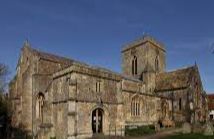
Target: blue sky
[(94, 31)]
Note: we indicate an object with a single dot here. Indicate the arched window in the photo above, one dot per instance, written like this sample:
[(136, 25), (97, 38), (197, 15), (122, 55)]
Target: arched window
[(39, 106), (135, 107), (157, 63), (134, 66)]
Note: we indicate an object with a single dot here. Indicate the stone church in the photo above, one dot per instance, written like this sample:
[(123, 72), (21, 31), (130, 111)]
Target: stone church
[(57, 97)]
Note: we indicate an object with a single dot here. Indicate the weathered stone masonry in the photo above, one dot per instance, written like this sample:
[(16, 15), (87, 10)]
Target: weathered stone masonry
[(53, 96)]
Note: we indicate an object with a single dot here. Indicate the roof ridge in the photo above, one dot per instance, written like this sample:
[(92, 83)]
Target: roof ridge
[(56, 57), (94, 67), (179, 69), (142, 39), (50, 54), (72, 61), (130, 78)]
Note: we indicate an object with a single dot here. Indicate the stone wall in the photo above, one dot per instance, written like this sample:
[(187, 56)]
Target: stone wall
[(78, 94), (26, 100), (73, 91), (174, 98), (148, 110), (146, 54), (148, 105), (21, 90)]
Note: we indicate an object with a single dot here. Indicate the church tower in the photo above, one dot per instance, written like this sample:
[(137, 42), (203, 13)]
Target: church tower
[(143, 59)]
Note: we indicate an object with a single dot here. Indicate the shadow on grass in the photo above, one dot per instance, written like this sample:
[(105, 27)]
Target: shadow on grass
[(189, 136), (106, 137)]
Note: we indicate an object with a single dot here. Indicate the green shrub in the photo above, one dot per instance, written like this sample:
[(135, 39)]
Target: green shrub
[(139, 130)]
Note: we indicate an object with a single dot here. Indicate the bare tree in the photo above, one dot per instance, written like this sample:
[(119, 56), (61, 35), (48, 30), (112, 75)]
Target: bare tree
[(3, 73), (4, 105)]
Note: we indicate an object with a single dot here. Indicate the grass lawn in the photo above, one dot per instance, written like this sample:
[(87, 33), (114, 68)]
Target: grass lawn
[(140, 131), (189, 136)]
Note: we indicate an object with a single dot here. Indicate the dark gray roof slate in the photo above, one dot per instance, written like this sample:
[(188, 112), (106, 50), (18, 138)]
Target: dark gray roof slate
[(68, 61)]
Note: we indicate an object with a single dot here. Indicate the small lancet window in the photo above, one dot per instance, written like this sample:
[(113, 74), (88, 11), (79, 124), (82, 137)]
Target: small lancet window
[(98, 86), (157, 63)]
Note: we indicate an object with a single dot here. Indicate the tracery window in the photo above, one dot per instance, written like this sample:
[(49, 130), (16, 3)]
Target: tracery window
[(134, 66), (135, 107)]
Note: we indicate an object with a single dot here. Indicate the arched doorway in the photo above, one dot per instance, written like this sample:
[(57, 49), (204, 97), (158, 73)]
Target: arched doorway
[(97, 120)]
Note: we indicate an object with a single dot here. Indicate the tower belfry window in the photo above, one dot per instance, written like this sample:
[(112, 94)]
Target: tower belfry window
[(157, 63), (134, 66)]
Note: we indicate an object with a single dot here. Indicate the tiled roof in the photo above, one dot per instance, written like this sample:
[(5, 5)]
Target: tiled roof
[(68, 61), (211, 106), (211, 101), (173, 80), (52, 57), (210, 96)]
